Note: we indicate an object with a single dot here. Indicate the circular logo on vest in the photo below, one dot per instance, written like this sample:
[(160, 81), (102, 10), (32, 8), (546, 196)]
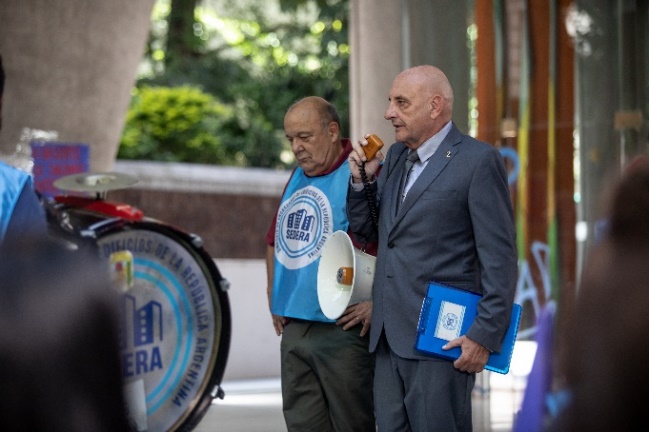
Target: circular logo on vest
[(304, 223)]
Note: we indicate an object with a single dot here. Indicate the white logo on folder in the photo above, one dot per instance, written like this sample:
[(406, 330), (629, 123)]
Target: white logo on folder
[(449, 321)]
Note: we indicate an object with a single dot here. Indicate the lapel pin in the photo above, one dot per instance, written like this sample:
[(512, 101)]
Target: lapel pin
[(448, 153)]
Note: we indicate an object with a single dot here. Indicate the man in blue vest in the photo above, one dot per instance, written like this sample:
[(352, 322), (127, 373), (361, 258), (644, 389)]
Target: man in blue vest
[(326, 368), (20, 211)]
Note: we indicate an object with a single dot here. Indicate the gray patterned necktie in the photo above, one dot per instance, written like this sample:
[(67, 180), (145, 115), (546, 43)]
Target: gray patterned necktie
[(407, 169)]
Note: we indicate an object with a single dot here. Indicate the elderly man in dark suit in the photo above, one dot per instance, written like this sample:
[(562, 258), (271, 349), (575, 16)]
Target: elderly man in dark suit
[(448, 218)]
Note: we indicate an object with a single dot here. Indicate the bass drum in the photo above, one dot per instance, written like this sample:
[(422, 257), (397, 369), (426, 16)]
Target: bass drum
[(175, 312)]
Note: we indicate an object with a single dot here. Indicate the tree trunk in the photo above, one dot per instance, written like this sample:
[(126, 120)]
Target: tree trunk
[(181, 41)]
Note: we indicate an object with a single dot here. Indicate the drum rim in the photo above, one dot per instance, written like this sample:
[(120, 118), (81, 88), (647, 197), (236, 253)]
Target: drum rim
[(210, 388), (198, 407)]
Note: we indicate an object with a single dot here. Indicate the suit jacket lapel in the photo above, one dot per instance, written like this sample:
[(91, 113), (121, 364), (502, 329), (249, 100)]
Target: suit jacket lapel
[(437, 162)]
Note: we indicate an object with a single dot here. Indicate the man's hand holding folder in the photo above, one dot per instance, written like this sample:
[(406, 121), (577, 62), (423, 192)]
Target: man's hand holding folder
[(474, 356), (446, 316)]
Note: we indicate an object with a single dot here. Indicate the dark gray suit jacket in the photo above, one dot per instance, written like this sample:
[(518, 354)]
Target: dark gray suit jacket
[(455, 226)]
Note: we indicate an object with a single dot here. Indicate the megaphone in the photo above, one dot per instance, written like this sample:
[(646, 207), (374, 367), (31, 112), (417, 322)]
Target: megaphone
[(345, 275)]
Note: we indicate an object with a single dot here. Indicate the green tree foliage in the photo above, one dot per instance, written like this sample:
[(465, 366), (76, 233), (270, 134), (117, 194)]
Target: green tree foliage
[(185, 124), (254, 58)]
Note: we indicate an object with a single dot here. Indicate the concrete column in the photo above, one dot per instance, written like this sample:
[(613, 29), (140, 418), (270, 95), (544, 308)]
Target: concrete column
[(376, 58), (438, 36), (70, 66), (387, 36)]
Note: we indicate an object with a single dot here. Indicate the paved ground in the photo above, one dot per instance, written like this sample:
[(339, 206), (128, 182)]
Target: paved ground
[(248, 406), (256, 406)]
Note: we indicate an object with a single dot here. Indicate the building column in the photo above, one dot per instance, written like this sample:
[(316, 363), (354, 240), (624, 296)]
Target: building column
[(70, 67), (376, 58), (387, 36)]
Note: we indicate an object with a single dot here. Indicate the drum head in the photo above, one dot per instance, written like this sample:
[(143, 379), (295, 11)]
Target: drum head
[(175, 323)]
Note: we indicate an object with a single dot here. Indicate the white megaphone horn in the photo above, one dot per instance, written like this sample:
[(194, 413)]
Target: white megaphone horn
[(345, 275)]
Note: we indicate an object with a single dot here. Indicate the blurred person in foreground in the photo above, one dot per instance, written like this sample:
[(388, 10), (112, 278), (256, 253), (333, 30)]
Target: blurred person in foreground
[(326, 368), (20, 210), (59, 352), (606, 337), (452, 223)]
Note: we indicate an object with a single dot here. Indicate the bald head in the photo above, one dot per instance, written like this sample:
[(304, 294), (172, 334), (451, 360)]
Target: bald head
[(312, 127), (420, 104), (431, 81), (317, 106)]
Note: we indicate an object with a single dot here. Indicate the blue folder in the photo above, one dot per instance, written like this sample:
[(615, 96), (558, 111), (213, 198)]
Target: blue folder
[(447, 313)]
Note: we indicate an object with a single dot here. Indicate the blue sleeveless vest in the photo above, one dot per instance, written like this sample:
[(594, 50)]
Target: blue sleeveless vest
[(312, 209), (12, 182)]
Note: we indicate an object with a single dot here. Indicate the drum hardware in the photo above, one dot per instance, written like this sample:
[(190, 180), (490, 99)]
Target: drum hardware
[(197, 240), (98, 205), (218, 392), (99, 182), (61, 225)]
